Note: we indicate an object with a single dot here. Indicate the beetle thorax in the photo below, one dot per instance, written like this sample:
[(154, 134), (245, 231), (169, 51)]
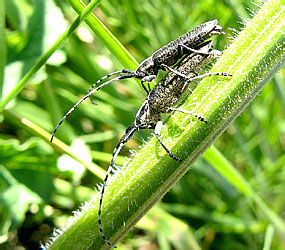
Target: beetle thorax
[(146, 68)]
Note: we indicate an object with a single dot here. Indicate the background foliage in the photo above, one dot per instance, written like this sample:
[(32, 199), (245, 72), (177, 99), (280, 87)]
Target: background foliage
[(41, 186)]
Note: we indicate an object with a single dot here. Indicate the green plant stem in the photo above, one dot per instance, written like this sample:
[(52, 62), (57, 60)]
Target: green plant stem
[(43, 59), (253, 59)]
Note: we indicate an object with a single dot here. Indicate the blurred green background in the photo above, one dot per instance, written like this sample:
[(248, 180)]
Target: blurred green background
[(41, 185)]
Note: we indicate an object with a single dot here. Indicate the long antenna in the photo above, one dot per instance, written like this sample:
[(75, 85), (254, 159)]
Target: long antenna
[(85, 97), (126, 137)]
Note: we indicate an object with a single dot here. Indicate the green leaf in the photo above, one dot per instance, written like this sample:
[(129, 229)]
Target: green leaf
[(14, 200), (21, 160), (36, 130)]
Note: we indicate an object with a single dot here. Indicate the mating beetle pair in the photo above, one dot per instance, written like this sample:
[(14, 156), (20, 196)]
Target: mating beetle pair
[(195, 52)]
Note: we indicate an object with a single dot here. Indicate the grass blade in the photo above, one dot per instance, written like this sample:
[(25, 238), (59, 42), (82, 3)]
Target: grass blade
[(2, 45), (111, 42), (43, 59)]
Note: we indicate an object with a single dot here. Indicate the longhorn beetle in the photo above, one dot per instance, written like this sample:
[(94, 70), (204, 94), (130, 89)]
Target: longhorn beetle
[(168, 55), (163, 58), (162, 99), (167, 93)]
